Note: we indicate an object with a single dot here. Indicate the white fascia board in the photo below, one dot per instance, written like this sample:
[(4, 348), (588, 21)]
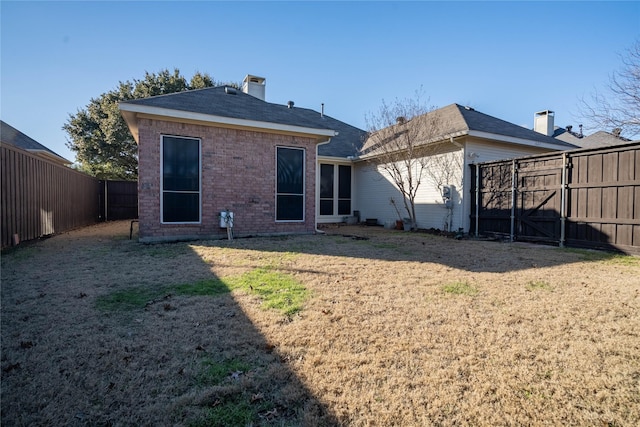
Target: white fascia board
[(439, 140), (222, 121), (331, 159), (514, 140)]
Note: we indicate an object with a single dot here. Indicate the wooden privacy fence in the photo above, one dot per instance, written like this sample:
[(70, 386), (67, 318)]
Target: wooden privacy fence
[(586, 198), (40, 197), (118, 200)]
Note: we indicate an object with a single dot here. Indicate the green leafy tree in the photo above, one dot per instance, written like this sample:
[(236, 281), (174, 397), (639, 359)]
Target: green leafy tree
[(100, 137)]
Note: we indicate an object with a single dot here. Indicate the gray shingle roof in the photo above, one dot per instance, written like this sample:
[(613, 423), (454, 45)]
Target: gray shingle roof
[(10, 135), (217, 102), (476, 121), (456, 120)]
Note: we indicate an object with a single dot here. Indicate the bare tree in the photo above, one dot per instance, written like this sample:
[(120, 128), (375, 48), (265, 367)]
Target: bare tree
[(400, 144), (618, 109)]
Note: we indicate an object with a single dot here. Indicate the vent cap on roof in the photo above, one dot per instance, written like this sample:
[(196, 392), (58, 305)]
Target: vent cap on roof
[(254, 86)]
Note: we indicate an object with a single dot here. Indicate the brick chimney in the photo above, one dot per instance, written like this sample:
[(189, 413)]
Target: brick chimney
[(254, 86), (543, 122)]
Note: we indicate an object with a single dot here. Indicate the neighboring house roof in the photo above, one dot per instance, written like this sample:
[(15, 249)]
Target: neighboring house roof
[(457, 120), (12, 136), (601, 139), (231, 107), (595, 140)]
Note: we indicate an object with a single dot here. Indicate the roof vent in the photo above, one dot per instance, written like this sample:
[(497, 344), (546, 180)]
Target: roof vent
[(466, 107), (230, 90), (290, 104), (401, 120)]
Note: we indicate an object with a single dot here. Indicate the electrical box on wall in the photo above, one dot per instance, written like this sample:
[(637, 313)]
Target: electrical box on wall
[(446, 192), (226, 219)]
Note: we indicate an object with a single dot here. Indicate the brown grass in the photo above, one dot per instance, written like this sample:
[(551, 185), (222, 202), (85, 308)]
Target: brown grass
[(400, 328)]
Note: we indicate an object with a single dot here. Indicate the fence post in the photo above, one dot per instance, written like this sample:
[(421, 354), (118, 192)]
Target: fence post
[(106, 192), (477, 199), (563, 199), (513, 200)]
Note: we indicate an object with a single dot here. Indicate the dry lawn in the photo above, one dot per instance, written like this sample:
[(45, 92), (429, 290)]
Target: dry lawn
[(399, 329)]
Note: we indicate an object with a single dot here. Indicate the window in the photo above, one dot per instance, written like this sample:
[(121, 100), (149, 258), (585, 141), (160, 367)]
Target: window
[(290, 184), (344, 190), (180, 180), (335, 190), (326, 189)]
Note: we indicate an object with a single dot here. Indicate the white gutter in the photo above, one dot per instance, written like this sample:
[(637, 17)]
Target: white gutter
[(317, 195), (514, 140)]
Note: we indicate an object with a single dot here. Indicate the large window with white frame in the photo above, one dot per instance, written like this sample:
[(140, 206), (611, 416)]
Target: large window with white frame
[(180, 180), (335, 189), (290, 184)]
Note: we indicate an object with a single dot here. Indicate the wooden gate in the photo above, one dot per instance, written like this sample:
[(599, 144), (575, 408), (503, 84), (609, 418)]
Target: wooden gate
[(582, 198), (118, 200)]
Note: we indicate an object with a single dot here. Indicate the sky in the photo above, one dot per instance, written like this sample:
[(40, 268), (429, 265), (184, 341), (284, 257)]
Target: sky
[(508, 59)]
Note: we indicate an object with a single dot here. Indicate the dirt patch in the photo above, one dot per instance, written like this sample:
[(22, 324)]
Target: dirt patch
[(400, 329)]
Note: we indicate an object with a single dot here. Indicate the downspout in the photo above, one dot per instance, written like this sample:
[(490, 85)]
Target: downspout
[(477, 199), (563, 200), (317, 195), (464, 165), (513, 199)]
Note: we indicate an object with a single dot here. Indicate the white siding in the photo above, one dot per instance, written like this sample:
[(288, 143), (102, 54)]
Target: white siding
[(375, 189)]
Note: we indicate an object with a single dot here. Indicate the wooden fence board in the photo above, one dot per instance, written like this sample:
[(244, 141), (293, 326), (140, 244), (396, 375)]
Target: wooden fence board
[(601, 197)]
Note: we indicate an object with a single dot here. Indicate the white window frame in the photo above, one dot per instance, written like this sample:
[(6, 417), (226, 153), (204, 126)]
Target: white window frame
[(162, 221), (336, 189), (304, 186)]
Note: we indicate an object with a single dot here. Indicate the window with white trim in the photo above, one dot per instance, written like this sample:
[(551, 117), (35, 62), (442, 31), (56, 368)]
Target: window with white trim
[(289, 184), (180, 180), (335, 189)]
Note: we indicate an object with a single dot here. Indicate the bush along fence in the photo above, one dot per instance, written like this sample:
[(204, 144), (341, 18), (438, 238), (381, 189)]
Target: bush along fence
[(41, 198), (587, 198)]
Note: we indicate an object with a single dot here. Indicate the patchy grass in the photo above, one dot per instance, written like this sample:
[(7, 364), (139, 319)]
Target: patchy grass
[(277, 290), (460, 288), (610, 257), (141, 296), (534, 285), (383, 333), (215, 372)]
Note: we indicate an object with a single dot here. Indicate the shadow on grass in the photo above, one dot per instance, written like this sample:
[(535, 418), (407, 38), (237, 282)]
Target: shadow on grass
[(163, 342)]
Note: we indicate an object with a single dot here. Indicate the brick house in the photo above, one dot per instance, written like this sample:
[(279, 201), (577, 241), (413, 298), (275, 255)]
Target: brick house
[(282, 169), (205, 152)]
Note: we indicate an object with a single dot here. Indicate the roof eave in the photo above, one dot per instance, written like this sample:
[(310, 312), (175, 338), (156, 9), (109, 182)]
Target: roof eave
[(519, 141), (438, 139), (131, 112)]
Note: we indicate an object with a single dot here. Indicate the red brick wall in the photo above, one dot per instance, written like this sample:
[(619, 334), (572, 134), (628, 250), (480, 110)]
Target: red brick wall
[(238, 174)]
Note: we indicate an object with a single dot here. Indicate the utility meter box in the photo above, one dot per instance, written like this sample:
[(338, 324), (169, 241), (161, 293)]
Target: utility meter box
[(226, 219), (446, 192)]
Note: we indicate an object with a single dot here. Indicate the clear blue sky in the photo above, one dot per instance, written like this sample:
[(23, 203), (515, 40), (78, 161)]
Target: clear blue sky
[(506, 59)]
